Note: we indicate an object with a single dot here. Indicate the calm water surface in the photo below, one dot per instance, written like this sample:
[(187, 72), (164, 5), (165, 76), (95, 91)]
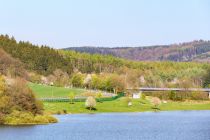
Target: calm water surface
[(179, 125)]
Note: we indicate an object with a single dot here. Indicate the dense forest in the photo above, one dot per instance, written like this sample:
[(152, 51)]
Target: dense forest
[(198, 50), (106, 72), (40, 59)]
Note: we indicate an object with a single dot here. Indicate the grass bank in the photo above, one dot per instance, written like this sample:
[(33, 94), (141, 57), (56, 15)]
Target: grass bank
[(120, 105)]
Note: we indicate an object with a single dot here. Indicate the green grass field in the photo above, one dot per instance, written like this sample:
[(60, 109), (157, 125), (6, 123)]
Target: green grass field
[(120, 105), (43, 91)]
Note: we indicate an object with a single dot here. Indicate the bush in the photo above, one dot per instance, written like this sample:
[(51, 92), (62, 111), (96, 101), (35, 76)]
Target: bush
[(99, 95), (51, 119), (172, 95), (65, 111), (1, 118), (18, 117), (143, 96), (44, 119), (179, 96), (77, 80), (156, 102), (41, 119), (199, 96), (71, 97), (24, 98), (90, 103), (18, 105), (58, 112)]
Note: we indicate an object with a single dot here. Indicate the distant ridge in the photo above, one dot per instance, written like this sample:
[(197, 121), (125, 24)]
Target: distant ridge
[(198, 50)]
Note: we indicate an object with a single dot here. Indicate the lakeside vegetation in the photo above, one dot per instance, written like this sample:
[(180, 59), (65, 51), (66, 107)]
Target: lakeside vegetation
[(120, 105), (49, 71), (174, 101), (18, 104)]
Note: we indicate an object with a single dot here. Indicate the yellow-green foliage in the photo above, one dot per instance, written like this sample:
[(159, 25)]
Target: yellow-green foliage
[(45, 119), (71, 96), (51, 119), (18, 118), (2, 84), (40, 119), (99, 95), (18, 105), (143, 97)]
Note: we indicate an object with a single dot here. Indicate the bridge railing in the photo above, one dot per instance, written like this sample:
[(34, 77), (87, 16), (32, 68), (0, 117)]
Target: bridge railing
[(170, 89)]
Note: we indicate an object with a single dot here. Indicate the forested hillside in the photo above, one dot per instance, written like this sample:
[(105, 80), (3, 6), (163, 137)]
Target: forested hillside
[(190, 51), (37, 58), (106, 72), (10, 66)]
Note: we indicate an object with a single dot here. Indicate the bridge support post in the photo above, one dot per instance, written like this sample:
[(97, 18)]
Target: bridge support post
[(209, 95)]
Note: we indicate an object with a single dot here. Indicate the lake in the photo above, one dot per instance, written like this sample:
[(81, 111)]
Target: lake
[(177, 125)]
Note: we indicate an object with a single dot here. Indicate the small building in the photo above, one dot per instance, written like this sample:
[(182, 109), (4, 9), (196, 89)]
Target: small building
[(136, 95)]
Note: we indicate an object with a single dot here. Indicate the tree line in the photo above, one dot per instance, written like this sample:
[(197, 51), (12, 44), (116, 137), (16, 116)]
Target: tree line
[(61, 66)]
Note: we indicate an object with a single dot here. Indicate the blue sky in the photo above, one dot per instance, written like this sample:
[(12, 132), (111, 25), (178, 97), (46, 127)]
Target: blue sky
[(65, 23)]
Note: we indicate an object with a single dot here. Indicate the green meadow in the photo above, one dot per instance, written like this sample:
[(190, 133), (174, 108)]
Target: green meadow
[(44, 91), (120, 105)]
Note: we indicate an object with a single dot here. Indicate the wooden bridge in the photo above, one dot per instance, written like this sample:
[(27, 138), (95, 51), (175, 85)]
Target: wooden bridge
[(207, 90)]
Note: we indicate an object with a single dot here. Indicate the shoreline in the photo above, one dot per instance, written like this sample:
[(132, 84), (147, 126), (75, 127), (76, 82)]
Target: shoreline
[(119, 106), (131, 112)]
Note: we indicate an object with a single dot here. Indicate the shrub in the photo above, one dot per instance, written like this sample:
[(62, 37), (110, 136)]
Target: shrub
[(71, 97), (172, 95), (199, 96), (99, 95), (17, 117), (1, 118), (58, 112), (77, 80), (179, 96), (51, 119), (24, 97), (90, 103), (156, 102), (143, 96), (65, 111), (35, 78), (41, 119), (18, 105)]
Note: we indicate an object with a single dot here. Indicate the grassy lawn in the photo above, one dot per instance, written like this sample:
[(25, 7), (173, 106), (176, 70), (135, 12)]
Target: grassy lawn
[(43, 91), (120, 105), (186, 106)]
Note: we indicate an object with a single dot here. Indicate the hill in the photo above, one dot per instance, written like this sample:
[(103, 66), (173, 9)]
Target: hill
[(190, 51), (105, 72)]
